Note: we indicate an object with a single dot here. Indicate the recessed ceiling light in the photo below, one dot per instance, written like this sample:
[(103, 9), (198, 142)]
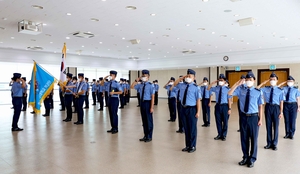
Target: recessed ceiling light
[(108, 49), (213, 32), (149, 49), (205, 0), (248, 43), (123, 38), (178, 38), (236, 15), (286, 38), (227, 11), (151, 32), (199, 43), (51, 42), (100, 42), (148, 57), (67, 37), (232, 38), (116, 25), (37, 7), (94, 19), (103, 0), (67, 49), (187, 25), (4, 19), (152, 14), (44, 24), (131, 7), (1, 42), (12, 37), (165, 56), (69, 14), (258, 25), (54, 51), (130, 52), (82, 46), (196, 66), (148, 54), (127, 46)]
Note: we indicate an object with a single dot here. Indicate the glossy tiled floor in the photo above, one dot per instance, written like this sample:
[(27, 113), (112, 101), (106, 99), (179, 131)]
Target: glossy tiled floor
[(48, 145)]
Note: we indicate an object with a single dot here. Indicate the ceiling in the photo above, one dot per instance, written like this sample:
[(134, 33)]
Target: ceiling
[(204, 27)]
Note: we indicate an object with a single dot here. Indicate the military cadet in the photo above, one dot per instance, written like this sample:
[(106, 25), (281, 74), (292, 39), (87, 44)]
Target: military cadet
[(206, 102), (179, 106), (127, 91), (87, 94), (47, 104), (274, 97), (101, 94), (156, 92), (75, 100), (17, 94), (80, 95), (123, 95), (190, 100), (243, 85), (106, 87), (62, 100), (290, 107), (115, 90), (94, 91), (147, 104), (24, 98), (11, 92), (68, 90), (97, 91), (251, 103), (138, 93), (171, 99), (222, 107)]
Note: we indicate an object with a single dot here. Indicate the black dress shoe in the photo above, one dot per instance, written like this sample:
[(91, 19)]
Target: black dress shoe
[(286, 137), (223, 138), (16, 129), (114, 131), (267, 146), (86, 108), (275, 148), (93, 104), (23, 110), (170, 120), (74, 112), (100, 109), (238, 131), (121, 107), (243, 162), (46, 115), (204, 125), (67, 120), (217, 137), (109, 131), (147, 140), (32, 112), (143, 139), (192, 149), (185, 149), (251, 164), (179, 131), (62, 110), (291, 137), (78, 122), (138, 106)]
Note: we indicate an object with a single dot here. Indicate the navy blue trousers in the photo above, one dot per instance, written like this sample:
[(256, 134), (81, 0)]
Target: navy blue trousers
[(172, 108), (94, 94), (122, 99), (190, 125), (179, 111), (290, 115), (17, 103), (249, 134), (156, 98), (147, 118), (272, 123), (100, 94), (80, 102), (68, 103), (106, 98), (221, 114), (24, 101), (139, 98), (86, 100), (205, 111), (47, 104), (113, 104)]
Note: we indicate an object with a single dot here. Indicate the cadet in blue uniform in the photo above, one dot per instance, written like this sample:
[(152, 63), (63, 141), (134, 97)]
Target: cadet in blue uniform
[(87, 94), (47, 104), (80, 95), (190, 101), (274, 97), (115, 90), (222, 107), (156, 86), (127, 93), (17, 94), (290, 107), (68, 90), (75, 100), (171, 99), (24, 98), (62, 100), (251, 103), (101, 94), (147, 92), (179, 106), (206, 102), (106, 92), (94, 91), (123, 95), (238, 103), (138, 93)]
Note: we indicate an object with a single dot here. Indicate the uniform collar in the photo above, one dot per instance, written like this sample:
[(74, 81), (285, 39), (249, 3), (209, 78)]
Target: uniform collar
[(250, 88)]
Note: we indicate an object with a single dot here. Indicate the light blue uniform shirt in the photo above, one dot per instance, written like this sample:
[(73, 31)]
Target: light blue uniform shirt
[(115, 86), (256, 99), (106, 86), (71, 89), (25, 89), (224, 95), (178, 88), (137, 87), (294, 93), (17, 89), (123, 86), (81, 86), (278, 94), (193, 93), (170, 93), (127, 86), (208, 93), (94, 87), (156, 86), (148, 92), (100, 88)]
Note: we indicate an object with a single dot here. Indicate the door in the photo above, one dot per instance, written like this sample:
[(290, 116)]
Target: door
[(264, 75)]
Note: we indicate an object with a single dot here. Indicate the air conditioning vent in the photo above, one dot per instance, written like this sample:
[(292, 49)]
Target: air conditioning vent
[(83, 34), (188, 52), (35, 48)]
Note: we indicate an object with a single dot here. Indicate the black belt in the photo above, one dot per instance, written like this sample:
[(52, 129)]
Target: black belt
[(146, 100), (272, 104), (249, 115), (17, 97), (222, 104), (290, 102), (188, 106), (171, 97)]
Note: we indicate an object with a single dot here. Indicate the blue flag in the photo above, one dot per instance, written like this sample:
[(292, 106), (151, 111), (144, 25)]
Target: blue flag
[(41, 84)]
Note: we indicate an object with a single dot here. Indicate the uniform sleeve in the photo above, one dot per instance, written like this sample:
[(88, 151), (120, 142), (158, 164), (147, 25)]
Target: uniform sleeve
[(260, 99), (200, 93), (84, 87), (237, 91), (136, 87), (297, 93), (119, 87), (152, 89), (213, 89), (282, 96)]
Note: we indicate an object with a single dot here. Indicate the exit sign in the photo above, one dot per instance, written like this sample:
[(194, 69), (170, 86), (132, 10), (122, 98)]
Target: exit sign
[(272, 67), (237, 68)]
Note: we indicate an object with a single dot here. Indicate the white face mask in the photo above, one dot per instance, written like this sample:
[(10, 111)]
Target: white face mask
[(80, 80), (205, 83), (139, 82), (144, 79), (250, 83), (171, 83), (290, 84), (221, 83), (273, 83), (226, 85), (188, 80)]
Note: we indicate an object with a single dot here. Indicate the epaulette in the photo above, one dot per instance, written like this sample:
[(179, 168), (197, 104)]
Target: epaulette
[(280, 88), (257, 89), (227, 87), (195, 84), (295, 87)]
